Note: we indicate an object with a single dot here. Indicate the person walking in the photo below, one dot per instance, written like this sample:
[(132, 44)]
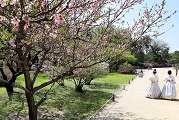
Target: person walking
[(176, 71), (169, 90), (141, 73), (153, 89)]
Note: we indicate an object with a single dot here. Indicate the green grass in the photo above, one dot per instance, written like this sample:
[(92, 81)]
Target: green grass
[(74, 105), (41, 78), (112, 82)]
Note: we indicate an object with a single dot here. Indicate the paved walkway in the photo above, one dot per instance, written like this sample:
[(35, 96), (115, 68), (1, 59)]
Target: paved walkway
[(131, 104)]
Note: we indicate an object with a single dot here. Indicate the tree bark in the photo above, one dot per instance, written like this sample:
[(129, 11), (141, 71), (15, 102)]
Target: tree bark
[(9, 88), (88, 80), (32, 107), (79, 88)]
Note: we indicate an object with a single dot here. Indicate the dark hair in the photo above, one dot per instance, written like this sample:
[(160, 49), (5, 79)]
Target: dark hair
[(169, 72), (154, 71)]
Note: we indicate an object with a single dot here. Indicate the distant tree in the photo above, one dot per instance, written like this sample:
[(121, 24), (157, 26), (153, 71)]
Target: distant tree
[(84, 76), (143, 44), (126, 57), (175, 58), (140, 48), (158, 52), (140, 56)]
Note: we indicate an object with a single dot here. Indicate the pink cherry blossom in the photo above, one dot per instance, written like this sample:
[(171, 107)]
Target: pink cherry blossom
[(140, 1), (71, 10), (42, 3), (29, 5), (15, 22), (128, 3), (93, 6), (71, 5), (25, 17), (69, 50), (53, 35), (135, 24), (83, 8), (13, 45), (119, 45), (2, 18), (27, 25), (113, 0), (3, 3), (12, 2), (59, 19), (82, 25), (26, 42)]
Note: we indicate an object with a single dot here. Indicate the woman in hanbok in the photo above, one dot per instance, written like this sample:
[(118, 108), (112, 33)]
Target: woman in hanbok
[(153, 89), (141, 73), (169, 90)]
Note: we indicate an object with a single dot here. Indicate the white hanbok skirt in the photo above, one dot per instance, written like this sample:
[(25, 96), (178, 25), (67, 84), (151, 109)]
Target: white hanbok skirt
[(153, 90), (169, 91)]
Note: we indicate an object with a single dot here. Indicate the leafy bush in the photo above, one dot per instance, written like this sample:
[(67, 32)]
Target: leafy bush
[(84, 76), (156, 65), (126, 69)]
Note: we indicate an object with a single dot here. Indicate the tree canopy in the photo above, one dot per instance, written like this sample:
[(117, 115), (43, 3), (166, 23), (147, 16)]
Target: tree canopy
[(68, 34)]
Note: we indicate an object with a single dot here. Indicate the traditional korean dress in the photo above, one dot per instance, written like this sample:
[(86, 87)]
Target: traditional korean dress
[(169, 90), (153, 89), (141, 74)]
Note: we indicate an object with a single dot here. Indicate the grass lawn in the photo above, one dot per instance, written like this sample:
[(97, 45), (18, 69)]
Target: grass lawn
[(63, 99)]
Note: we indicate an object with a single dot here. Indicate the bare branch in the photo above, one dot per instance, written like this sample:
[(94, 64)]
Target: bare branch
[(45, 96), (21, 87), (61, 76)]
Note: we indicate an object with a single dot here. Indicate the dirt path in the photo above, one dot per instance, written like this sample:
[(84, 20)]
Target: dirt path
[(131, 104)]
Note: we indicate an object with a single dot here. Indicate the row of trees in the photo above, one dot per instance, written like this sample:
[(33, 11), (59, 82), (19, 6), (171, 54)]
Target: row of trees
[(66, 36), (146, 52), (175, 58), (154, 51)]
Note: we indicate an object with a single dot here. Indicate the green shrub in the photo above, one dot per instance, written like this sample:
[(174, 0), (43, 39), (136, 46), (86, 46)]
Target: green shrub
[(126, 68)]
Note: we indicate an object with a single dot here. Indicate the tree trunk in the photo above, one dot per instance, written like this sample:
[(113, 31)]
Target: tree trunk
[(9, 87), (32, 107), (9, 90), (88, 80), (79, 88)]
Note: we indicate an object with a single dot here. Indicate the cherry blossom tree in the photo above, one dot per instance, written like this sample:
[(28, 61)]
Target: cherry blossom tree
[(68, 35), (84, 76)]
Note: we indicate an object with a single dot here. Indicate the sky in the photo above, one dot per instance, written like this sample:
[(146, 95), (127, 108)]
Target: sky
[(171, 37)]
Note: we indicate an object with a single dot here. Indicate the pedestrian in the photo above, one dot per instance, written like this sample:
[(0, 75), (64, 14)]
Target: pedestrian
[(176, 71), (141, 73), (169, 90), (153, 89)]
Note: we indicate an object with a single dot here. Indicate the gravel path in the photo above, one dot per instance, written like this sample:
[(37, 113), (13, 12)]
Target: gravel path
[(131, 104)]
